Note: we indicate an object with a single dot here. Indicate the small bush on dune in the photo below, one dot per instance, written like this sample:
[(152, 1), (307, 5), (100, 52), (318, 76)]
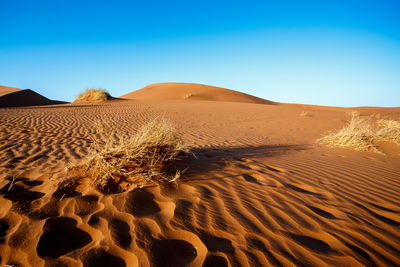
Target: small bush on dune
[(93, 95), (362, 134), (146, 157), (303, 113), (390, 130), (188, 96)]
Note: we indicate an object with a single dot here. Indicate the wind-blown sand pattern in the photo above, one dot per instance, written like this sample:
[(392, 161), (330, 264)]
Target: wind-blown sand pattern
[(259, 193)]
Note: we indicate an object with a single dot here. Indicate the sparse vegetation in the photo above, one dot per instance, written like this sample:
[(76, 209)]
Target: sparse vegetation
[(353, 113), (188, 96), (363, 134), (92, 94), (303, 113), (146, 157), (390, 131)]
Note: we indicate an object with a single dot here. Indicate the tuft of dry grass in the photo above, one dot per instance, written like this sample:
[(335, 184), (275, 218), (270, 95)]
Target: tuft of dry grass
[(303, 113), (188, 96), (353, 113), (363, 135), (92, 94), (146, 157), (389, 131)]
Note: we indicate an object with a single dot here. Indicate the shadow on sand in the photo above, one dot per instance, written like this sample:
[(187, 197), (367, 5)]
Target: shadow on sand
[(205, 160)]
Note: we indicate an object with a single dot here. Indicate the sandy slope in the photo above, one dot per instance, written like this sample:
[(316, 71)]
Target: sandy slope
[(4, 90), (192, 91), (14, 97), (258, 194)]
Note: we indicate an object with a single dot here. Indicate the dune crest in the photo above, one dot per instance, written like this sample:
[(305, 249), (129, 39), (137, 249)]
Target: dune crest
[(15, 97), (192, 91), (4, 90)]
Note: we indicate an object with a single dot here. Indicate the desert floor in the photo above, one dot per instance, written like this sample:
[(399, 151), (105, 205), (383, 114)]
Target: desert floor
[(260, 192)]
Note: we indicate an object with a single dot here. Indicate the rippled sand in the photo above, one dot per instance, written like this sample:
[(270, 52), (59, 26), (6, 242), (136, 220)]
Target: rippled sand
[(259, 193)]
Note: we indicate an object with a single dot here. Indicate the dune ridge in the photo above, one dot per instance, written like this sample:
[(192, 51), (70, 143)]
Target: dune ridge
[(7, 90), (192, 91), (14, 97)]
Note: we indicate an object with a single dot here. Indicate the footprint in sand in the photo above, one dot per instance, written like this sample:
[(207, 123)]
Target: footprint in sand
[(60, 237)]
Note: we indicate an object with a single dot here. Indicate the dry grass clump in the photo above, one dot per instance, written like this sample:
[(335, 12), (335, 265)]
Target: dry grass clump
[(390, 130), (93, 95), (363, 135), (188, 96), (146, 157), (303, 113)]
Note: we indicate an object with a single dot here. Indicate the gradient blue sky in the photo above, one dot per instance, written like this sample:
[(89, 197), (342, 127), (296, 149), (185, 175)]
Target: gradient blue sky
[(343, 53)]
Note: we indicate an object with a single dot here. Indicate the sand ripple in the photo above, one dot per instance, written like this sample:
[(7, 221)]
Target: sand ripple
[(243, 201)]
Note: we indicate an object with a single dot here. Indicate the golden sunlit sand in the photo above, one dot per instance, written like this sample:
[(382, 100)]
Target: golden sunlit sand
[(256, 188)]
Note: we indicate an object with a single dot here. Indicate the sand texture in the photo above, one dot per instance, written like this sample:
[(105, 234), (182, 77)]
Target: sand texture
[(258, 193)]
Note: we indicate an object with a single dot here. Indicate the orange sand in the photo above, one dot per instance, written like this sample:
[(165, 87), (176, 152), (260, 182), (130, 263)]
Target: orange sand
[(192, 91), (259, 193)]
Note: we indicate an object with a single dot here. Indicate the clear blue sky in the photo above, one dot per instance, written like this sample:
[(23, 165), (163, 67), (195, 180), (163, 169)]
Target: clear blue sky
[(344, 53)]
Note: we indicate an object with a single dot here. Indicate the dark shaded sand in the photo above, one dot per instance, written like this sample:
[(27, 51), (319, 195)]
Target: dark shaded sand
[(14, 97)]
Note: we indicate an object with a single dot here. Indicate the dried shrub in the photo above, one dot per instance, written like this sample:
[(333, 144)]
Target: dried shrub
[(93, 95), (146, 157), (363, 134)]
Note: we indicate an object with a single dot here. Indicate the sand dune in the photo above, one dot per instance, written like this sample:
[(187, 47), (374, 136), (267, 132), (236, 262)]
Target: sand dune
[(192, 91), (258, 193), (14, 97), (4, 90)]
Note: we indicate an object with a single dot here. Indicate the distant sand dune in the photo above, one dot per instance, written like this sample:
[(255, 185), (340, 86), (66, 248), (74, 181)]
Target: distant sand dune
[(191, 91), (14, 97), (4, 90)]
